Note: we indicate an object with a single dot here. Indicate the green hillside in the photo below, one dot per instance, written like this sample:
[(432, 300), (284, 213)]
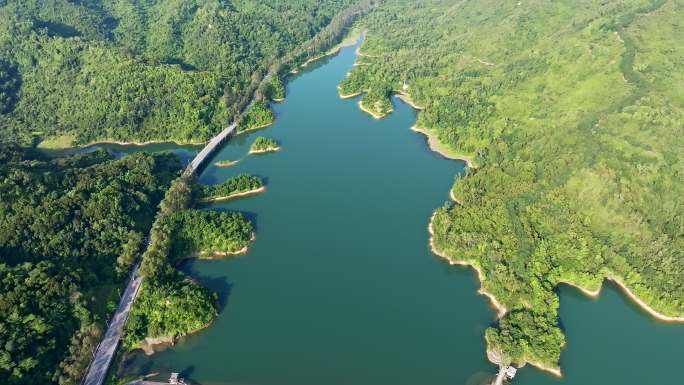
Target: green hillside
[(574, 113), (140, 70)]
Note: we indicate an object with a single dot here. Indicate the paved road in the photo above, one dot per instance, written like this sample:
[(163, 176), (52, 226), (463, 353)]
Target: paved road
[(97, 371), (210, 147)]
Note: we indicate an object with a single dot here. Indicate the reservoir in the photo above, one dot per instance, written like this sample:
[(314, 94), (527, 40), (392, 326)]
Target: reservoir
[(340, 287)]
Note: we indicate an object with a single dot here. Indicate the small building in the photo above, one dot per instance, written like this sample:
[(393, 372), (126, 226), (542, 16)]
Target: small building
[(510, 372), (176, 380)]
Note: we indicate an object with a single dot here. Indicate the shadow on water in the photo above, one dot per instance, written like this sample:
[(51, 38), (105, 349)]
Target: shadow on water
[(219, 284), (186, 373)]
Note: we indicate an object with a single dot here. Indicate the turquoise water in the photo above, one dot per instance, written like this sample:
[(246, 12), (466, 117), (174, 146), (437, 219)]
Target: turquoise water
[(340, 287)]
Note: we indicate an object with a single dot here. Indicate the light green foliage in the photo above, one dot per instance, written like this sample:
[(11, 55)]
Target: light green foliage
[(136, 70), (375, 89), (257, 115), (262, 144), (573, 112), (234, 185)]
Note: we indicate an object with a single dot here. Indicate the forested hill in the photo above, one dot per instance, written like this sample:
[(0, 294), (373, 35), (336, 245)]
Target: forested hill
[(70, 230), (138, 70), (574, 111)]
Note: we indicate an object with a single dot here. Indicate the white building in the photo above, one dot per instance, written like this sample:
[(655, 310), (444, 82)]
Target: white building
[(510, 372)]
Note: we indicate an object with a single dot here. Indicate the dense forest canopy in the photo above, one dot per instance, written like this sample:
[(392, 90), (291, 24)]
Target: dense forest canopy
[(139, 70), (574, 112), (70, 230)]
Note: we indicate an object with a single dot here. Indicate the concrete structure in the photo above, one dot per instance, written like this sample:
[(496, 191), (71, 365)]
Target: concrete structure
[(209, 149), (97, 370), (175, 380), (510, 372)]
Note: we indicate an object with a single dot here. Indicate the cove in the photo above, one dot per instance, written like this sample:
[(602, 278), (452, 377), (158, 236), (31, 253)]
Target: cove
[(340, 286)]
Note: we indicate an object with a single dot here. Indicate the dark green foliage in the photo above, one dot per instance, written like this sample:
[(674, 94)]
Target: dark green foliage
[(207, 233), (234, 185), (274, 88), (70, 227), (262, 144), (179, 196), (9, 86), (570, 111), (174, 309), (38, 303)]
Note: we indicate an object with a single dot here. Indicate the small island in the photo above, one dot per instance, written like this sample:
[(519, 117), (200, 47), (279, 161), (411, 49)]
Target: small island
[(238, 186), (225, 163), (262, 145)]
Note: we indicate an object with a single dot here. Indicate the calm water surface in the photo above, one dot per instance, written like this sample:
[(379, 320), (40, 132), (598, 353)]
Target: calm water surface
[(340, 288)]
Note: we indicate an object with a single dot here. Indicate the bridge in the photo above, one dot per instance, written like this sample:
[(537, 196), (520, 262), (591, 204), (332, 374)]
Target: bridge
[(102, 359), (97, 370), (209, 149)]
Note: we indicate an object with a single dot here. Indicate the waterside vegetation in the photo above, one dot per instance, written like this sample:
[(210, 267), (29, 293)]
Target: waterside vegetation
[(239, 185), (262, 144)]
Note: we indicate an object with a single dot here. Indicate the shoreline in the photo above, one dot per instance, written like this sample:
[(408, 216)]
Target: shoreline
[(122, 143), (496, 305), (153, 345), (107, 141), (438, 147), (555, 371), (641, 304), (453, 197), (254, 128), (221, 254), (225, 164), (348, 41), (264, 151), (348, 96), (243, 250), (406, 98), (235, 195), (493, 302), (373, 113), (587, 292)]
